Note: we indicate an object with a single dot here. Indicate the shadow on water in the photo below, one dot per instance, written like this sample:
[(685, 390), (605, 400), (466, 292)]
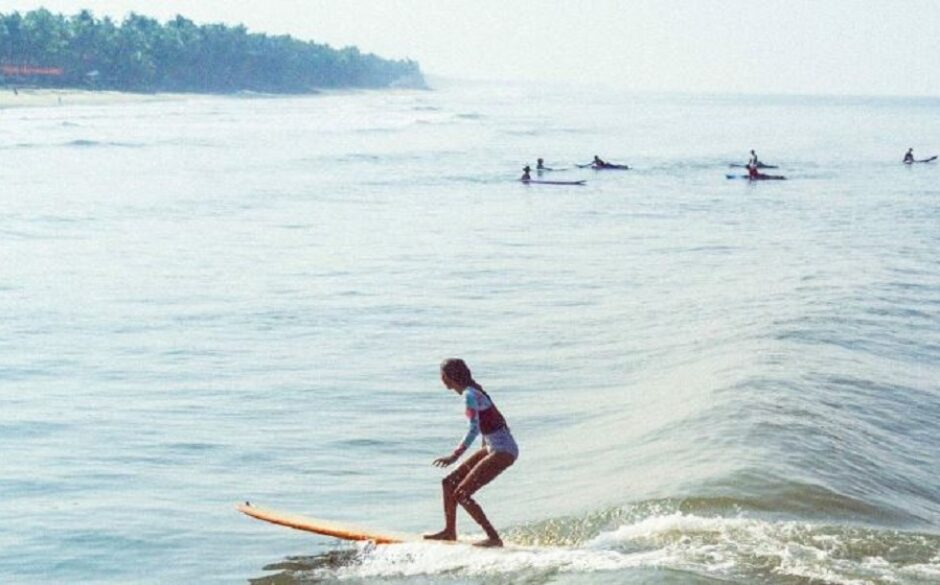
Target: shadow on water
[(304, 569)]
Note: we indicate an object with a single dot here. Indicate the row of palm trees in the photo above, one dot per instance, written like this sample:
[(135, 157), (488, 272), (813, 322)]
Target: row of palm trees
[(141, 54)]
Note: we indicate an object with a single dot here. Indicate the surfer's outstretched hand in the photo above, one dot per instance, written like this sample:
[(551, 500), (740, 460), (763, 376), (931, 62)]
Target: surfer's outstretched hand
[(445, 461)]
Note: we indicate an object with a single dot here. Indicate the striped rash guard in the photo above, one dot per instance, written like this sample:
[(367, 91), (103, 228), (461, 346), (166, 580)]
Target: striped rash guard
[(483, 417)]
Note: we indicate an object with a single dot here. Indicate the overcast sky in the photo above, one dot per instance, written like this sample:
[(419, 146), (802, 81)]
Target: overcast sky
[(862, 47)]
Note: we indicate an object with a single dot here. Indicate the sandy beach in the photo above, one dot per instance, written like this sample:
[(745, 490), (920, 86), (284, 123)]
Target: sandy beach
[(42, 98)]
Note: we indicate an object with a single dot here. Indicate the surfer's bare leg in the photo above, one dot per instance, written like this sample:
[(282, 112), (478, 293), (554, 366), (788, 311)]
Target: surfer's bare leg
[(483, 473), (449, 485)]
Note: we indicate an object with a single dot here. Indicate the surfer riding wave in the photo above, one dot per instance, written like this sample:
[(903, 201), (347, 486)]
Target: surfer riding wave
[(498, 452)]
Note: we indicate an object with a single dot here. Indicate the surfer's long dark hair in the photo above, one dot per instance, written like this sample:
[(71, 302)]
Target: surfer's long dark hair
[(456, 369)]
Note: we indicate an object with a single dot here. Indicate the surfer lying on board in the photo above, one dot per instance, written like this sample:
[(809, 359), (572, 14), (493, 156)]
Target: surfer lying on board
[(599, 163), (498, 452), (754, 175)]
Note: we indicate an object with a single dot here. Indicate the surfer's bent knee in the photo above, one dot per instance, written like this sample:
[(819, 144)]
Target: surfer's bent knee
[(450, 482), (463, 497)]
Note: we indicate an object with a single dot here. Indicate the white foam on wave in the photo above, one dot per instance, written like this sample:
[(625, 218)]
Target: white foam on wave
[(928, 572), (924, 572), (736, 548), (743, 546), (423, 559)]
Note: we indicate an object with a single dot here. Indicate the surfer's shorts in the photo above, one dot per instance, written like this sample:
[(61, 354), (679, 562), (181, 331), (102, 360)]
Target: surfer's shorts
[(501, 441)]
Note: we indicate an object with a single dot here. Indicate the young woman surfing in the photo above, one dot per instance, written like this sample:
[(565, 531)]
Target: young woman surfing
[(498, 452)]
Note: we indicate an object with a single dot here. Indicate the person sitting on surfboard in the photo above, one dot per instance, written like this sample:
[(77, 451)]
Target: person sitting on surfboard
[(526, 176), (498, 452), (752, 170), (753, 161), (909, 157)]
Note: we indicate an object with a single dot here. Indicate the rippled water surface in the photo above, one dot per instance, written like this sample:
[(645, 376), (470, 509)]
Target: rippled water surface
[(217, 299)]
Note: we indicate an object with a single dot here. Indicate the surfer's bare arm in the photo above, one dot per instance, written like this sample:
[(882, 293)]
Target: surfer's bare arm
[(473, 429)]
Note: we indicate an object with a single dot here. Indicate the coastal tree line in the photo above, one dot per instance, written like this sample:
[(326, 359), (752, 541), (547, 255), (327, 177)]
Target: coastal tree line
[(141, 54)]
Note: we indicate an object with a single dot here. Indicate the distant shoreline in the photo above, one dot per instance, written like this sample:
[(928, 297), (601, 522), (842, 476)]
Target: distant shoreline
[(44, 98), (49, 97)]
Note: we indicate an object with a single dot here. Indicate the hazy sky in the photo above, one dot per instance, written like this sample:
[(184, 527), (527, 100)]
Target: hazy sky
[(862, 47)]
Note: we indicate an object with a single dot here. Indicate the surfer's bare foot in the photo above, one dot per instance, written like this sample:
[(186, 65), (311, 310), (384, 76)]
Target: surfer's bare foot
[(490, 543), (442, 535)]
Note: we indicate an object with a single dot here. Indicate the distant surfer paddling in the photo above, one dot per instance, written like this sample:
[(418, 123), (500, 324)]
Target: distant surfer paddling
[(498, 452), (754, 175), (599, 163)]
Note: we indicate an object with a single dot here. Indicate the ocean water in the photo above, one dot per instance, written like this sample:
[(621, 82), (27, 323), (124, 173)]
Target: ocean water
[(217, 299)]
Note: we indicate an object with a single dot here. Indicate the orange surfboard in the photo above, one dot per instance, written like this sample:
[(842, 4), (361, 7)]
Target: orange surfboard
[(324, 527)]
